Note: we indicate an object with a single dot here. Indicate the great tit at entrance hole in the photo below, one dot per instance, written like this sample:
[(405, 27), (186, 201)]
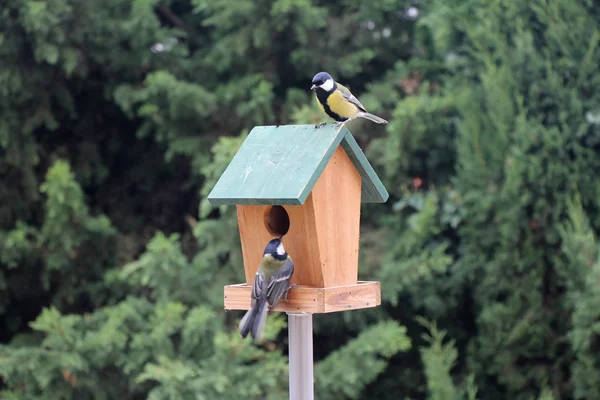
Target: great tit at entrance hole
[(271, 283), (337, 101)]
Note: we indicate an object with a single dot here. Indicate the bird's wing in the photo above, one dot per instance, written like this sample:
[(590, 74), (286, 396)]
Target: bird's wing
[(257, 287), (350, 97), (279, 282)]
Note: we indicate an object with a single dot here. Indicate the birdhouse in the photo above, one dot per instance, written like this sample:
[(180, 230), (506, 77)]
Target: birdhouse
[(306, 184)]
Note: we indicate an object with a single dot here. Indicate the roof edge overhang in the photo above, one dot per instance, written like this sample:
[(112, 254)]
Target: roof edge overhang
[(373, 190)]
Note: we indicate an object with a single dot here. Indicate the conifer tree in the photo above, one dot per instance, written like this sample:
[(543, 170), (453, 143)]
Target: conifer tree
[(117, 118)]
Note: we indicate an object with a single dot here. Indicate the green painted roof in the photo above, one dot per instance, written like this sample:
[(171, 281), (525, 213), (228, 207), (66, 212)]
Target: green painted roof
[(281, 164)]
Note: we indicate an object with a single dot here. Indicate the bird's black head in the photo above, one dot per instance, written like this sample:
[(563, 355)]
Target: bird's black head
[(324, 81), (276, 250)]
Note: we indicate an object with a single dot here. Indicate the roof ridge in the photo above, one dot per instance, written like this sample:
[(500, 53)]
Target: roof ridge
[(281, 164)]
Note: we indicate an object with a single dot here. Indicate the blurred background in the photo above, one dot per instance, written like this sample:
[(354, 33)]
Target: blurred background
[(117, 118)]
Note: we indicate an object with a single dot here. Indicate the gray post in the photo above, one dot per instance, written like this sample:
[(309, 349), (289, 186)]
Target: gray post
[(301, 356)]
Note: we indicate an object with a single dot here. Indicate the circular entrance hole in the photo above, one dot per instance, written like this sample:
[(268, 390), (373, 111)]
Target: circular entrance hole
[(277, 221)]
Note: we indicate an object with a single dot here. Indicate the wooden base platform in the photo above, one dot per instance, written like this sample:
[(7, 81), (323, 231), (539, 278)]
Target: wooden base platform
[(364, 294)]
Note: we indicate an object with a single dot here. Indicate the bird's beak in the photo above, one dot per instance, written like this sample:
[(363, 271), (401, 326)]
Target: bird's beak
[(313, 87)]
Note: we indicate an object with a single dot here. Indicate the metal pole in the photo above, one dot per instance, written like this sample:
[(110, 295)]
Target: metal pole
[(300, 333)]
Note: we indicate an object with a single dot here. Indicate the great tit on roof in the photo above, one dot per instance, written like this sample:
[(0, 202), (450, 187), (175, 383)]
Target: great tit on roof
[(337, 101), (271, 283)]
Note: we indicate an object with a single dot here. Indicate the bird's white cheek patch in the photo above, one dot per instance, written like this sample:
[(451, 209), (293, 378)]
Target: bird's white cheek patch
[(280, 250), (327, 85)]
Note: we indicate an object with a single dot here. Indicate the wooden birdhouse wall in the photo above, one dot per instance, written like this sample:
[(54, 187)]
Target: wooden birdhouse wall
[(323, 235)]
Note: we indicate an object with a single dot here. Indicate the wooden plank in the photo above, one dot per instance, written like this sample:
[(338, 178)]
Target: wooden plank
[(254, 236), (336, 203), (277, 165), (373, 190), (301, 241), (323, 238), (302, 244), (363, 294), (352, 297), (280, 165), (300, 299)]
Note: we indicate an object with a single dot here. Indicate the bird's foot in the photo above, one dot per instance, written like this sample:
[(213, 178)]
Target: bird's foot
[(293, 285), (321, 124)]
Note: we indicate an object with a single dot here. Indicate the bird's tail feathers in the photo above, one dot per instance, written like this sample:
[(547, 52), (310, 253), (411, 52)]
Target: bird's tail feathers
[(247, 322), (254, 320), (260, 320), (373, 117)]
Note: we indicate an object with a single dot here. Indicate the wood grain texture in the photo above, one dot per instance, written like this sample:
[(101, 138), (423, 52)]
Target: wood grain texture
[(323, 237), (281, 164), (363, 294), (254, 236), (336, 200), (373, 190), (300, 242), (277, 165)]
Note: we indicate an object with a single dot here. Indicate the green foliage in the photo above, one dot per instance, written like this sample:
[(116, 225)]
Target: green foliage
[(581, 249), (66, 221), (439, 359), (158, 344), (117, 118), (63, 256), (420, 249), (520, 91), (349, 369)]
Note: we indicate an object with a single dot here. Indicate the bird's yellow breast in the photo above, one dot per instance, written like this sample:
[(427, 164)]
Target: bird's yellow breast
[(339, 105), (270, 264)]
